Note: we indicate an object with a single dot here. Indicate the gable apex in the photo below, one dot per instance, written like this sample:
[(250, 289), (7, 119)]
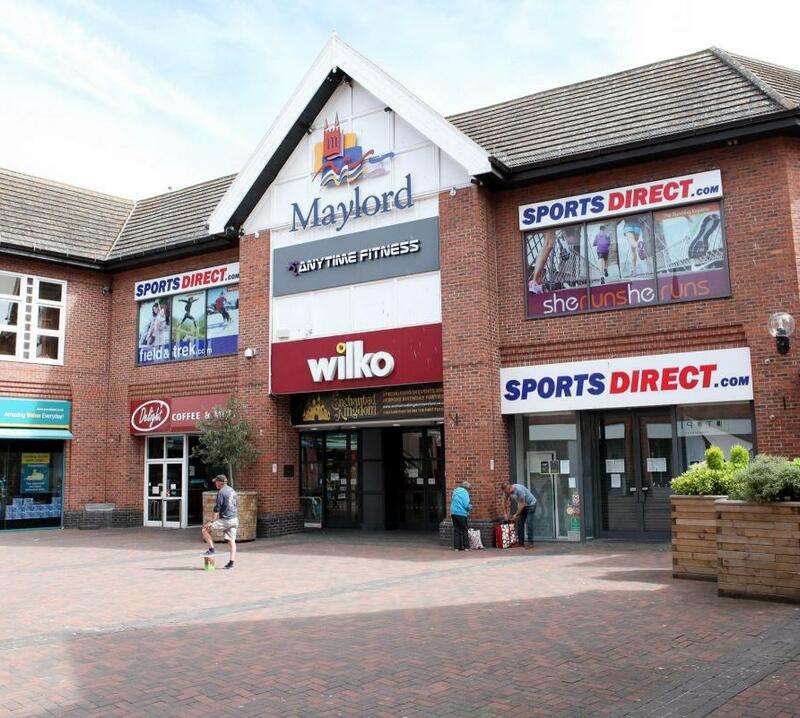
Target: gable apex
[(336, 62)]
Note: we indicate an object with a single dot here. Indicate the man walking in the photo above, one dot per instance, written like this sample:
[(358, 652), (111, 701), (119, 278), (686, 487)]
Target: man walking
[(526, 508), (226, 518)]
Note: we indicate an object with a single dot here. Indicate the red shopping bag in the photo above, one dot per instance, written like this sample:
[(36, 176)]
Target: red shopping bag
[(505, 535)]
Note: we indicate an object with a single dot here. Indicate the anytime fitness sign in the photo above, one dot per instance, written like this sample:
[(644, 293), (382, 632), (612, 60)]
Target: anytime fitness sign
[(411, 355), (173, 415), (685, 378)]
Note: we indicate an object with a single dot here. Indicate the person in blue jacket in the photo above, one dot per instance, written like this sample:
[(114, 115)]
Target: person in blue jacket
[(460, 507)]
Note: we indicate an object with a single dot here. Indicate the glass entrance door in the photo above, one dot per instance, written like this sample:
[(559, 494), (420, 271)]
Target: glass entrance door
[(341, 479), (422, 481), (165, 481), (636, 465)]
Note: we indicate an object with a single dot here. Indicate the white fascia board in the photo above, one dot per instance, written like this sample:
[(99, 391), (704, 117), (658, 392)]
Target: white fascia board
[(338, 54)]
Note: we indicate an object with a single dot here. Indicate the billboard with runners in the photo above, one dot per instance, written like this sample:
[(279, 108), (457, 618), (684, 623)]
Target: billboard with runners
[(175, 324), (608, 255)]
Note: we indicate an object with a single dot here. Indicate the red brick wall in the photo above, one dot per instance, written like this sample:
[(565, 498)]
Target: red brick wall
[(474, 431), (82, 379), (760, 180)]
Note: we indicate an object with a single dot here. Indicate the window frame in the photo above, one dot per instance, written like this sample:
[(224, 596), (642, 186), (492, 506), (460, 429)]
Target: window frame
[(652, 213), (27, 330)]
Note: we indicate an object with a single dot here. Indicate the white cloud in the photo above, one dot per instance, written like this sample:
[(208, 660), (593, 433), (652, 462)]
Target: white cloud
[(134, 98)]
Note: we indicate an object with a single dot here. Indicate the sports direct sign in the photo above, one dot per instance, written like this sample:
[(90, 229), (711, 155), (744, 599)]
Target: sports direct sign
[(411, 355), (659, 379), (173, 415), (622, 200), (187, 281)]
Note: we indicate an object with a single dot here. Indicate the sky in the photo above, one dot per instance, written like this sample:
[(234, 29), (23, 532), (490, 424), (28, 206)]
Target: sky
[(134, 98)]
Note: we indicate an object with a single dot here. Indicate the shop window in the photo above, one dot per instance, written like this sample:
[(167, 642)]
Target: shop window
[(672, 255), (32, 323), (722, 425), (31, 480), (550, 444)]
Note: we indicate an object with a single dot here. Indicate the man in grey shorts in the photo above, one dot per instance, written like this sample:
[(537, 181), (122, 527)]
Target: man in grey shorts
[(226, 518)]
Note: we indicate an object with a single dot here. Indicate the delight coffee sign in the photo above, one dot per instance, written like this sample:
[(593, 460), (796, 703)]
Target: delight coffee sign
[(389, 357), (173, 415)]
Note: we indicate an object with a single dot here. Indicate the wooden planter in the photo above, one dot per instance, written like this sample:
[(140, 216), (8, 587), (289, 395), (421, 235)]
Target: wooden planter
[(758, 546), (694, 537), (248, 513)]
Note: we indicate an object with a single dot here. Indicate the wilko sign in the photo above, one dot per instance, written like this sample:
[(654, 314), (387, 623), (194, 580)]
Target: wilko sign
[(411, 355), (188, 281), (173, 415), (622, 200), (351, 362), (659, 379)]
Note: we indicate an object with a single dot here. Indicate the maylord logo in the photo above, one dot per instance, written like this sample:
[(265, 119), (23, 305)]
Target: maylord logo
[(150, 415), (339, 215), (339, 160), (351, 362)]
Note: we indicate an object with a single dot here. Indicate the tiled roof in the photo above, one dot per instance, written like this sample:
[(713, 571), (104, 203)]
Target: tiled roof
[(165, 220), (690, 93), (784, 81), (49, 216), (685, 94)]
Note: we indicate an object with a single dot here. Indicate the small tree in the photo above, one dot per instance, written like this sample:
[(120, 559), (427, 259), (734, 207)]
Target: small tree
[(225, 439)]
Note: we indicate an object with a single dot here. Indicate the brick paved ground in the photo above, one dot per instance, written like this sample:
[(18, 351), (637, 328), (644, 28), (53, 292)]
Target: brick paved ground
[(123, 623)]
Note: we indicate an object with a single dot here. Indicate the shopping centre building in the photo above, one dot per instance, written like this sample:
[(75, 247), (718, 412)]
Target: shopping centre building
[(570, 289)]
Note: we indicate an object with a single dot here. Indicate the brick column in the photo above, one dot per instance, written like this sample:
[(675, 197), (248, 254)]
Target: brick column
[(278, 502), (475, 433)]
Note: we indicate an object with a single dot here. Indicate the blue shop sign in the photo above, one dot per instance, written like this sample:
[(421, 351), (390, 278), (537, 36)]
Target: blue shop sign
[(34, 413)]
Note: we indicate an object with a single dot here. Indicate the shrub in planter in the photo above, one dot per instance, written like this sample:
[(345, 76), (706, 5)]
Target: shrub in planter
[(767, 479), (694, 518), (714, 476)]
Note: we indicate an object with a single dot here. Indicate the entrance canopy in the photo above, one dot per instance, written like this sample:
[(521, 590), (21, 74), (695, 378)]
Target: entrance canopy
[(6, 433)]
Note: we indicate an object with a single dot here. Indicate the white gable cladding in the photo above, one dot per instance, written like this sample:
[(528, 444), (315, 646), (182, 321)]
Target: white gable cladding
[(361, 113), (384, 304)]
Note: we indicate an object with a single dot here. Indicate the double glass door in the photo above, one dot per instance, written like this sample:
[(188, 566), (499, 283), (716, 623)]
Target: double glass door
[(330, 480), (165, 469), (637, 460), (421, 504)]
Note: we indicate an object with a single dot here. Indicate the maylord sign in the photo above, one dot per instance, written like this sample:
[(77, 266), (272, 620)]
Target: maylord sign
[(362, 205), (395, 251), (173, 415), (659, 379), (622, 200), (187, 281), (389, 357), (340, 160)]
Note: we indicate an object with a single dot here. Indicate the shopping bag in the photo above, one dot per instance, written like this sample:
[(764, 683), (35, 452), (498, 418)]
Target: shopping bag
[(474, 539), (505, 535)]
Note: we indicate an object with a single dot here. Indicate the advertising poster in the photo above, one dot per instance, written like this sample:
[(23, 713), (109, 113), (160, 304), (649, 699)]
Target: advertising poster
[(188, 325), (188, 315), (35, 474), (691, 258), (222, 320), (621, 262), (653, 243), (556, 271), (154, 331)]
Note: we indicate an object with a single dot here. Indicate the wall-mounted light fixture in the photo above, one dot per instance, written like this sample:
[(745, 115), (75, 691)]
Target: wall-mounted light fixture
[(107, 290), (250, 352), (781, 326)]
